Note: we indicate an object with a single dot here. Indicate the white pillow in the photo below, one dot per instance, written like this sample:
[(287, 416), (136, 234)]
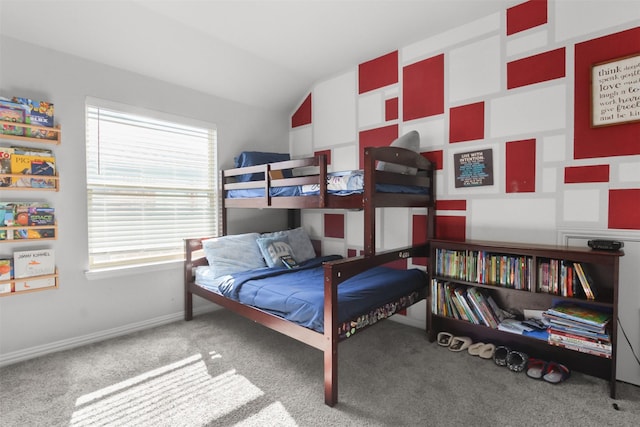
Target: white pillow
[(299, 241), (233, 253), (410, 141)]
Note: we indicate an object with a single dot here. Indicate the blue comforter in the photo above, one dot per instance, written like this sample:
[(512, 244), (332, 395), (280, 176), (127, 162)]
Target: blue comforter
[(298, 295)]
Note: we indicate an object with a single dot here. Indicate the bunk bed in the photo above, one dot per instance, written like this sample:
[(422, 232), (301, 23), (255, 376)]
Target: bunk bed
[(390, 177)]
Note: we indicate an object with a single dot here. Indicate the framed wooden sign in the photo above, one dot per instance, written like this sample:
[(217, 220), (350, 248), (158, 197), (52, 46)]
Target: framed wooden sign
[(615, 91)]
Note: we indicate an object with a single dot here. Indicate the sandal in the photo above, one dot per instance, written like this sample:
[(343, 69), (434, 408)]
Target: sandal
[(500, 355), (486, 352), (555, 373), (536, 368), (475, 348), (460, 343), (516, 361), (444, 339)]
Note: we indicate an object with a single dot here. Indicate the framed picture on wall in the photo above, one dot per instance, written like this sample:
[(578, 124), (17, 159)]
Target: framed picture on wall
[(615, 91), (473, 169)]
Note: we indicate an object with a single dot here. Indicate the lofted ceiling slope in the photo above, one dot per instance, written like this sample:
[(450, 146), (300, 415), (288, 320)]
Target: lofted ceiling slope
[(262, 53)]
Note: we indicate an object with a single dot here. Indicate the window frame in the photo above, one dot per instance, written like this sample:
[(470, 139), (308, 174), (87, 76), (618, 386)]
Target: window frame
[(99, 270)]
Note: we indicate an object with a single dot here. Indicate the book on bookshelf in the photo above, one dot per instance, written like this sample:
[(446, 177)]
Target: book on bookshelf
[(585, 281), (578, 313)]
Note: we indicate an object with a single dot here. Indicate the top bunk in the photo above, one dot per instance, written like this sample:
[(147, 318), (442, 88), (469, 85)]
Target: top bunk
[(391, 177)]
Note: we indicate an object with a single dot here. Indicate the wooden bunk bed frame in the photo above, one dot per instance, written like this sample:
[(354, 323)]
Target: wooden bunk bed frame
[(335, 272)]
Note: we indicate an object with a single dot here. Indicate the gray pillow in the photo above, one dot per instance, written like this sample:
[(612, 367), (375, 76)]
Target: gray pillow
[(273, 248), (410, 141), (233, 253), (299, 241)]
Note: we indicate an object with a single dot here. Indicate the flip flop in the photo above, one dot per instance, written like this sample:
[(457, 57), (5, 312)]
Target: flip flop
[(444, 339), (487, 350), (500, 355), (555, 373), (460, 343), (474, 349), (536, 368), (516, 361)]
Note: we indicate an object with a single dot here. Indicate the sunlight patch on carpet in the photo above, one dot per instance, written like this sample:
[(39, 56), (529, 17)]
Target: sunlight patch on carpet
[(181, 393)]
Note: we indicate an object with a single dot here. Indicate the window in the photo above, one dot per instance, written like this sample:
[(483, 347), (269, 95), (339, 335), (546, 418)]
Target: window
[(151, 181)]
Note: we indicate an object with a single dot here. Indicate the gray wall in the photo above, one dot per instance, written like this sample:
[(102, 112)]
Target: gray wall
[(83, 310)]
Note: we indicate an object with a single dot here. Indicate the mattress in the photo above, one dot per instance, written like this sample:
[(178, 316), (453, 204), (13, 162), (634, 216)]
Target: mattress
[(343, 183), (298, 294)]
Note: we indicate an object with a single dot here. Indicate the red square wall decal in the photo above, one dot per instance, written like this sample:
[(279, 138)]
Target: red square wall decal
[(579, 174), (451, 205), (377, 73), (423, 88), (466, 122), (334, 225), (434, 157), (399, 264), (391, 109), (327, 154), (606, 141), (526, 15), (379, 137), (624, 209), (521, 166), (537, 68), (451, 228), (302, 116), (419, 236)]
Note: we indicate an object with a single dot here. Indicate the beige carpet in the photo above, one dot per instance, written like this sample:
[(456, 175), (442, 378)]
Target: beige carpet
[(220, 369)]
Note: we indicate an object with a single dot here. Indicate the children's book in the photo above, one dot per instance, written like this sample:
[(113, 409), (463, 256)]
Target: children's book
[(581, 314), (33, 263)]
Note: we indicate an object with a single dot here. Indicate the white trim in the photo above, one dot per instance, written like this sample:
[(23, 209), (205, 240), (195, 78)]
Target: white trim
[(621, 235), (409, 321), (67, 344), (106, 273)]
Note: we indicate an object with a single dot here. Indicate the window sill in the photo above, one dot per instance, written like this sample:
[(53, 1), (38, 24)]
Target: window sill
[(106, 273)]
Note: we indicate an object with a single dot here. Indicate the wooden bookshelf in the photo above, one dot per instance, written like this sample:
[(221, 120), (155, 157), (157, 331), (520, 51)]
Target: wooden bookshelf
[(601, 266)]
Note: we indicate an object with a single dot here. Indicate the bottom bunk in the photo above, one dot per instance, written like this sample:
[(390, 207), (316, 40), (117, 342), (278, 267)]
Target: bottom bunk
[(328, 299)]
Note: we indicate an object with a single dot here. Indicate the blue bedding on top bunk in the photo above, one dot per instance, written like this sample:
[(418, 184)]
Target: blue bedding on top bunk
[(338, 183), (298, 295)]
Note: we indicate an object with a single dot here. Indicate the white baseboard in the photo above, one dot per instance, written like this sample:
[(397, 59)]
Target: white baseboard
[(410, 321), (67, 344)]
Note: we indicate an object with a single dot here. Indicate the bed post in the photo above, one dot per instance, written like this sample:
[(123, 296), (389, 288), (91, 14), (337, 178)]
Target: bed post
[(368, 205), (188, 296), (331, 337)]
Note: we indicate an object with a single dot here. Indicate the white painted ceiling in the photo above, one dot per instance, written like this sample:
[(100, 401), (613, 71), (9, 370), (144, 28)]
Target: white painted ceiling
[(263, 53)]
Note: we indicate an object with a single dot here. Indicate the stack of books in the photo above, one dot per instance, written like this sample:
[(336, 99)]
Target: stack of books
[(579, 328), (466, 303)]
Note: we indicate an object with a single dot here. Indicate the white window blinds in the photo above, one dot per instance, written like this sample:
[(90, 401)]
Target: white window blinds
[(150, 183)]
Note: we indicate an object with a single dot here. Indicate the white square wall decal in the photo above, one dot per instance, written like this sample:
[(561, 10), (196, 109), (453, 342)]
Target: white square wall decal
[(475, 69), (370, 110), (301, 142), (529, 111), (554, 148), (513, 220), (432, 132), (581, 205), (334, 111)]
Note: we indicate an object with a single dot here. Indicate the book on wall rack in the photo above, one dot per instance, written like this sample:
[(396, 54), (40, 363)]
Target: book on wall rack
[(28, 265)]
